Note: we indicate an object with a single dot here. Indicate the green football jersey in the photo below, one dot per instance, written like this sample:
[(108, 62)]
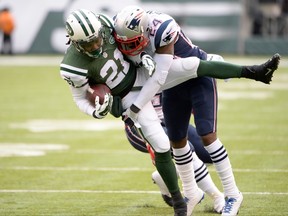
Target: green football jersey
[(110, 68)]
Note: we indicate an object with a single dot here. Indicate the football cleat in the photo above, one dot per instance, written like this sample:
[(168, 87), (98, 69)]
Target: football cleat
[(180, 209), (263, 72), (167, 199), (179, 204), (232, 205), (192, 202)]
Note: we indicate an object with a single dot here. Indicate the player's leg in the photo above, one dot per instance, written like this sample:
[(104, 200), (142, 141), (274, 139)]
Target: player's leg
[(222, 70), (205, 183), (205, 117), (177, 115), (183, 69), (196, 141), (135, 139), (202, 175), (155, 135)]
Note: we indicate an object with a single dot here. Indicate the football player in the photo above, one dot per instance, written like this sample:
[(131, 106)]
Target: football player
[(202, 175), (139, 33), (93, 57)]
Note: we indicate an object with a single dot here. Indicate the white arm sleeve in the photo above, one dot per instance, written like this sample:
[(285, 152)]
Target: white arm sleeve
[(79, 97), (78, 86), (154, 83)]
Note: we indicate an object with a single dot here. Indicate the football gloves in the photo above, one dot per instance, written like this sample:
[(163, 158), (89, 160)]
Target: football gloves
[(148, 63), (101, 110), (130, 115)]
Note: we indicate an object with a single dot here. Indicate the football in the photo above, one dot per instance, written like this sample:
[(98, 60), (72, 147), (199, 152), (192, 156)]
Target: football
[(97, 90)]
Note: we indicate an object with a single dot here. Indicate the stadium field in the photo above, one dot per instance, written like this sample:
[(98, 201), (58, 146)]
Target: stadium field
[(56, 161)]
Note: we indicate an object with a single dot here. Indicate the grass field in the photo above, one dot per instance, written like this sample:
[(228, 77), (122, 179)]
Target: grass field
[(56, 161)]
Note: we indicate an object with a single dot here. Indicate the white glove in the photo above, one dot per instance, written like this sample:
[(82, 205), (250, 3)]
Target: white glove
[(148, 63), (130, 117), (101, 110)]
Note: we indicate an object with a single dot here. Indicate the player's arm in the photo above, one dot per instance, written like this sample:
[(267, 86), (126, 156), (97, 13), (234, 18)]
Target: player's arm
[(79, 97), (98, 111), (79, 86), (163, 59)]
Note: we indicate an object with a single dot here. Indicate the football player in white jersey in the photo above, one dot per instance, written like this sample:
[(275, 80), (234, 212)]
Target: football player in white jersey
[(142, 34), (93, 57), (200, 156)]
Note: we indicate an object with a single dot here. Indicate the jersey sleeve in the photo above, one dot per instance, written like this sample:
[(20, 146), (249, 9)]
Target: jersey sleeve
[(76, 78)]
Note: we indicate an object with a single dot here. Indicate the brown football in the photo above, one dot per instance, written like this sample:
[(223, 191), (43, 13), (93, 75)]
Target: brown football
[(97, 90)]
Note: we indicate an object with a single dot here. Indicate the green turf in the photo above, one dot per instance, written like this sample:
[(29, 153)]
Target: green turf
[(101, 174)]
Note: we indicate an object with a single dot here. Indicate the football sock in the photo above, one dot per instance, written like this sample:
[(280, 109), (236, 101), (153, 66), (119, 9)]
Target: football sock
[(167, 170), (223, 167), (184, 163), (203, 178), (220, 70)]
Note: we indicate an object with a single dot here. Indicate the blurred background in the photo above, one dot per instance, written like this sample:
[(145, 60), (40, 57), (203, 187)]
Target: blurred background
[(243, 27)]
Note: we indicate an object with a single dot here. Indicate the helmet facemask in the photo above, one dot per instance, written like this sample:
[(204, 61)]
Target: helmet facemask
[(132, 46), (86, 46)]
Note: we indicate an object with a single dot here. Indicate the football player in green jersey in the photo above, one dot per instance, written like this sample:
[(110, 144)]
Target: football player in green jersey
[(93, 57)]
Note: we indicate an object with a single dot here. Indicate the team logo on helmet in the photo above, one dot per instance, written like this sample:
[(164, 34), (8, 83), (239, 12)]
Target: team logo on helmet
[(134, 24), (69, 29)]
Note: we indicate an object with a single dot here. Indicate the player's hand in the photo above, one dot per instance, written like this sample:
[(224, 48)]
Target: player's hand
[(148, 63), (129, 117), (101, 110)]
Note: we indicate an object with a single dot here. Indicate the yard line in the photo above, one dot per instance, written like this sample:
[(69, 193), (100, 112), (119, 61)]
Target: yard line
[(128, 169), (118, 192)]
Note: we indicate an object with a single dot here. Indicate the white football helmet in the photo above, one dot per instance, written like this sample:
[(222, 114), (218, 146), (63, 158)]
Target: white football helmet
[(131, 26), (85, 32)]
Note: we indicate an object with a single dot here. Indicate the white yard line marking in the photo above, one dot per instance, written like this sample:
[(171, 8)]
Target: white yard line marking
[(48, 125), (119, 192), (29, 149)]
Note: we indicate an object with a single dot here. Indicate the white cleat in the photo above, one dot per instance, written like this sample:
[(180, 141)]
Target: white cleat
[(219, 203), (192, 202), (232, 205)]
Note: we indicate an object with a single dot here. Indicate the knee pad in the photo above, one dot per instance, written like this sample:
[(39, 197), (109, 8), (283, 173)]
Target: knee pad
[(190, 63)]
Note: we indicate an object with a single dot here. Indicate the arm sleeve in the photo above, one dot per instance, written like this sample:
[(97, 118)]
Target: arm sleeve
[(79, 97), (78, 86), (154, 83)]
